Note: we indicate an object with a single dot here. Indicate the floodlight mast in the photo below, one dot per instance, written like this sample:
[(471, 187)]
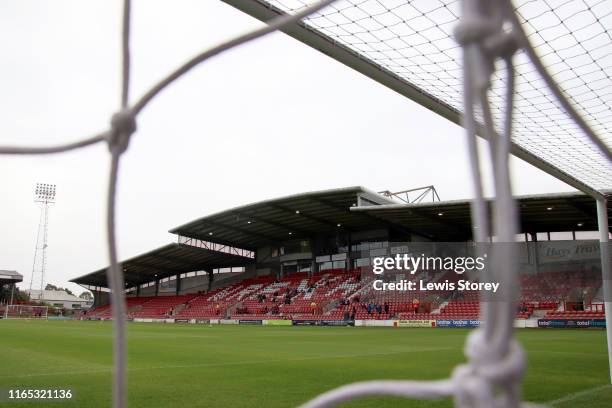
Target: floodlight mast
[(44, 196)]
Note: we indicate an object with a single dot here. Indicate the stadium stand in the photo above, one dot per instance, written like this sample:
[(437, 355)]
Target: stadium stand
[(576, 314), (104, 312), (161, 306), (348, 295), (320, 233)]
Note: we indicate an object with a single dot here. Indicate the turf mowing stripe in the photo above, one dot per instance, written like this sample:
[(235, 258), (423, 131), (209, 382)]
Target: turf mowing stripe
[(230, 363)]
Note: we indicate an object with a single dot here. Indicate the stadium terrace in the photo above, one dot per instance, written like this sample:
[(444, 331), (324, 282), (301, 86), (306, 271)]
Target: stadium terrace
[(310, 256)]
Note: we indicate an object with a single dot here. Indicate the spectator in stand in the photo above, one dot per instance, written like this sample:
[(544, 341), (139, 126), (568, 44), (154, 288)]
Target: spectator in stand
[(379, 309), (346, 315), (313, 307), (386, 308), (370, 305), (217, 309), (415, 305)]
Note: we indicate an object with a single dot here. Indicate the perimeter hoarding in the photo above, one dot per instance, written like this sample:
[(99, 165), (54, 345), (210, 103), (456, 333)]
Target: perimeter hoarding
[(278, 322), (572, 323), (414, 323), (251, 322), (323, 323), (458, 323)]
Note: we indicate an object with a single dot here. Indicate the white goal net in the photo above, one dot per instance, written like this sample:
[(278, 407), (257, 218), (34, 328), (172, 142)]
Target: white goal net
[(473, 62)]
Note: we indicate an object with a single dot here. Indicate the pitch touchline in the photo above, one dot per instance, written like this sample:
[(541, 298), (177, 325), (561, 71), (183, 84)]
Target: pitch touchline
[(102, 371), (567, 352)]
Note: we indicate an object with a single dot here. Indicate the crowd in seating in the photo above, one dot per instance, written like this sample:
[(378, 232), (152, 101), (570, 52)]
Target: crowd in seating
[(347, 295), (299, 296)]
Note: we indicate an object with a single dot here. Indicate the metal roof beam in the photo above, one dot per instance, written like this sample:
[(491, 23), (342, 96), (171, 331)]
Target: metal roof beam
[(144, 265), (316, 218), (172, 259), (276, 224), (591, 214), (239, 229), (462, 231), (368, 216), (209, 246), (212, 239)]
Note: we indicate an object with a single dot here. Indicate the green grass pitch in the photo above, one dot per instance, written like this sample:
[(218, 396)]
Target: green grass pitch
[(175, 365)]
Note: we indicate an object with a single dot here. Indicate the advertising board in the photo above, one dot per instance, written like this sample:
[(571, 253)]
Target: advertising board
[(415, 323), (572, 323), (458, 323)]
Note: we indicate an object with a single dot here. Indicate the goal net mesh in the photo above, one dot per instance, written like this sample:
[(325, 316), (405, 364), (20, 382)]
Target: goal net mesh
[(412, 40), (26, 312)]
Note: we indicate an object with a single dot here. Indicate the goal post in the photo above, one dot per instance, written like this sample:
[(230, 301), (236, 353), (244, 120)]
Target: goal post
[(26, 312)]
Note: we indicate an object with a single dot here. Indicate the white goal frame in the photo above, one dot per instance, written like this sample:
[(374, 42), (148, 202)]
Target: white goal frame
[(18, 310)]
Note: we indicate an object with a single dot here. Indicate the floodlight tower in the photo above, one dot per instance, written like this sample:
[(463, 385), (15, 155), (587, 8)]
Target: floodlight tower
[(44, 196)]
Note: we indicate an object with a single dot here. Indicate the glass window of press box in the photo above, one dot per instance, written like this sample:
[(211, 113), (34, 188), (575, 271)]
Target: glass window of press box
[(295, 247), (327, 265), (296, 266)]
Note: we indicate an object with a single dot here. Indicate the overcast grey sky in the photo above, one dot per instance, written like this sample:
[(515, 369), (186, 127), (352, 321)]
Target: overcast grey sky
[(270, 118)]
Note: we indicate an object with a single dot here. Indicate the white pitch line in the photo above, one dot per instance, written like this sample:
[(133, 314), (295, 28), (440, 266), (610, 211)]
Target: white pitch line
[(576, 395), (229, 363), (579, 353)]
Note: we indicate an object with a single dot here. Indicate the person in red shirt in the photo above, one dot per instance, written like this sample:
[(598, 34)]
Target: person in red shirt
[(415, 305)]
